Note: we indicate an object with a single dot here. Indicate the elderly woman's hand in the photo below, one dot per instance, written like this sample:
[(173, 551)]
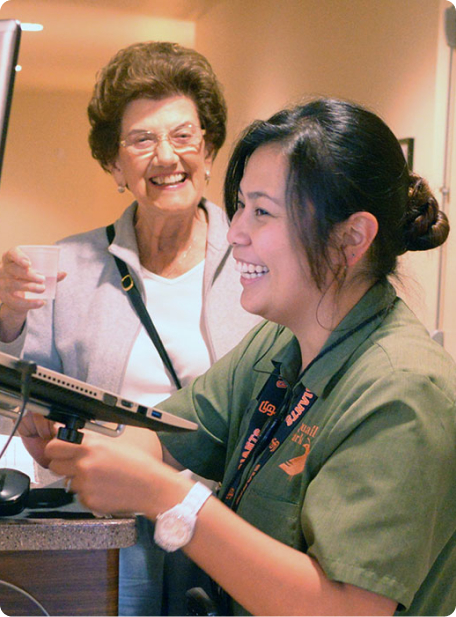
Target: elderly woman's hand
[(16, 278)]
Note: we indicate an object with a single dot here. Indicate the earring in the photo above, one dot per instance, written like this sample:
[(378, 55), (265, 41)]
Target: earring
[(207, 175), (121, 188)]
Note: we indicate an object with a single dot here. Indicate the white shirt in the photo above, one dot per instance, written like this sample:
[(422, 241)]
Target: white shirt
[(175, 307)]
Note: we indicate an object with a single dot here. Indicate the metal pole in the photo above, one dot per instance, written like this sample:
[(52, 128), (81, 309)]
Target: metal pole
[(450, 31)]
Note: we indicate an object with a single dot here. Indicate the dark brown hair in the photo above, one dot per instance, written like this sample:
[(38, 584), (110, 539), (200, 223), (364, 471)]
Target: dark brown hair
[(153, 70), (343, 159)]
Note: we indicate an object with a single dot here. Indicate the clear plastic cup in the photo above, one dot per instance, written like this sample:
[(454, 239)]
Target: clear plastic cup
[(45, 260)]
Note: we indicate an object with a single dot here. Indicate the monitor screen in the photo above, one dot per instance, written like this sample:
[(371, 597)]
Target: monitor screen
[(10, 34)]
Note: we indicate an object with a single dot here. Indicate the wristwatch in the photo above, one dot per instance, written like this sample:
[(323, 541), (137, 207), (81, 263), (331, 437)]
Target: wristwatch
[(175, 527)]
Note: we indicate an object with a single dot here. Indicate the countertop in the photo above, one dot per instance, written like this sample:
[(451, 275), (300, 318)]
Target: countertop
[(70, 527)]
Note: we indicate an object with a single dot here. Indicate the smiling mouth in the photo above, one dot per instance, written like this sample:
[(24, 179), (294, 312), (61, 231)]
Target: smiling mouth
[(249, 270), (169, 180)]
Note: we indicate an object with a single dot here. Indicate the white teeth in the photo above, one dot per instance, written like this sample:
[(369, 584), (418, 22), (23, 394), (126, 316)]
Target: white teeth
[(250, 271), (171, 179)]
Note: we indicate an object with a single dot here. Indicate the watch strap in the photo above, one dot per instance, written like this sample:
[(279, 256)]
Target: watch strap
[(197, 497)]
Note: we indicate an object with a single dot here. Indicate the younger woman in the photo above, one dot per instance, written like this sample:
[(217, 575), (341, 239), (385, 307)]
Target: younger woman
[(332, 425)]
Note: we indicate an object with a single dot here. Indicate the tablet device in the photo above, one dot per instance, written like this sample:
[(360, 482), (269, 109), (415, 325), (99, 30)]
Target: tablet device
[(76, 403)]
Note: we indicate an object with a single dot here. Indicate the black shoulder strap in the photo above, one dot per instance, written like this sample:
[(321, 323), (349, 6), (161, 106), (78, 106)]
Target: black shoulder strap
[(128, 285)]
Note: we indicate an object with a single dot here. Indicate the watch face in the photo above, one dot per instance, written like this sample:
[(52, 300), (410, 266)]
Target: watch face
[(173, 530)]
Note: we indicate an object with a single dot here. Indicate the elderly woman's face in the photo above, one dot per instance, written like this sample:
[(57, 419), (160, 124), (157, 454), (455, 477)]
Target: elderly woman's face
[(162, 157)]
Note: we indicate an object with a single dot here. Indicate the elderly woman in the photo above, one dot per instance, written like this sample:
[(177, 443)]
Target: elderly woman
[(331, 426), (157, 120)]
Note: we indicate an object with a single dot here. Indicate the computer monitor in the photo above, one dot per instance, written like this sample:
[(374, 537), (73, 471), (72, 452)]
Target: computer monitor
[(10, 35)]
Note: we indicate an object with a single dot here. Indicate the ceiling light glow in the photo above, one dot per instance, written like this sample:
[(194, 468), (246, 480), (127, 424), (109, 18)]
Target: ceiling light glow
[(31, 27)]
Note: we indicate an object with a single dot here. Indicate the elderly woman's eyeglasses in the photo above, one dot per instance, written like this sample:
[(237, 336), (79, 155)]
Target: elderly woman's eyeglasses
[(184, 138)]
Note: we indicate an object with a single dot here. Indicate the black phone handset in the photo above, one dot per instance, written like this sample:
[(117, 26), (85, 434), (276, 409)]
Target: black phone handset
[(14, 491)]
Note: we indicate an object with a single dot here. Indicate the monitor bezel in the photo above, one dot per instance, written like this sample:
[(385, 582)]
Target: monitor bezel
[(10, 36)]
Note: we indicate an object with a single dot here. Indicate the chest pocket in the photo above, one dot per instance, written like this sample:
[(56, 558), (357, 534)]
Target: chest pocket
[(278, 518)]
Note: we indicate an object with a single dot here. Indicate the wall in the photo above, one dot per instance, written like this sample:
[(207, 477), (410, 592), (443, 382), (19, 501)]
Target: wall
[(51, 186), (387, 55), (382, 54)]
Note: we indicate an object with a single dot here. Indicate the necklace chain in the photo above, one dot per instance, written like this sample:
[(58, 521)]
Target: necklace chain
[(180, 259)]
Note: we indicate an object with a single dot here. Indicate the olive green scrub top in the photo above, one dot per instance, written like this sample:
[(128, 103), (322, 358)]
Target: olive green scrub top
[(366, 482)]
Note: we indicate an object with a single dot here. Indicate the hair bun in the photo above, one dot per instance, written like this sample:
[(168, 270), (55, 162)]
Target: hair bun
[(426, 226)]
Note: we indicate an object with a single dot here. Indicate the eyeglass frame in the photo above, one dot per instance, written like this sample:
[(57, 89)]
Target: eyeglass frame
[(165, 136)]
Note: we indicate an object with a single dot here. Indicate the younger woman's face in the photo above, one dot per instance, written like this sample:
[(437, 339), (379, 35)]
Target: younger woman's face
[(274, 269)]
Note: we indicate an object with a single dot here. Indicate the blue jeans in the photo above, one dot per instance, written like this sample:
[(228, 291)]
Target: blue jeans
[(153, 582)]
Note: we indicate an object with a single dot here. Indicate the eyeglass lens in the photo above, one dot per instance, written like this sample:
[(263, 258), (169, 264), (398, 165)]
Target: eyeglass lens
[(183, 137)]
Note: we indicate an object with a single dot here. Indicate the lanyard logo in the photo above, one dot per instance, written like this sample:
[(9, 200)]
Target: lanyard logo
[(249, 445), (300, 408), (268, 408)]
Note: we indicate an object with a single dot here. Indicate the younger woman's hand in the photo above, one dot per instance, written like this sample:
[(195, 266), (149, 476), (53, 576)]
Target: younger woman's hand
[(109, 475)]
